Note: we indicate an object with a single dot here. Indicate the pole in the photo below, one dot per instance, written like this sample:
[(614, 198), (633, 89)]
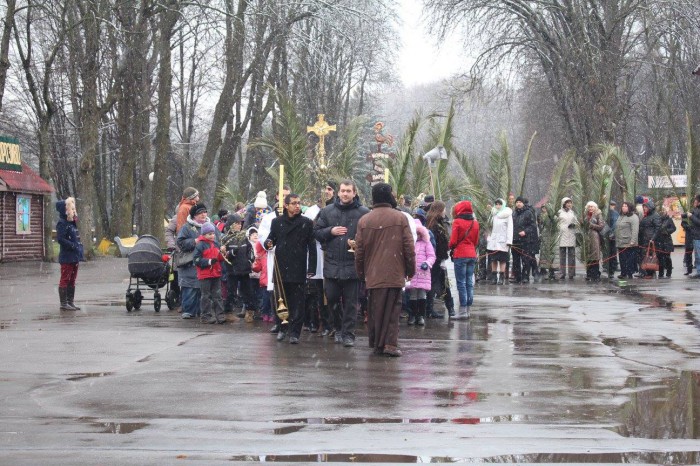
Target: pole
[(280, 192), (432, 182)]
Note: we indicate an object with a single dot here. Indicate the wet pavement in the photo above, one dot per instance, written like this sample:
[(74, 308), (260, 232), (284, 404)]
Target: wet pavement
[(549, 372)]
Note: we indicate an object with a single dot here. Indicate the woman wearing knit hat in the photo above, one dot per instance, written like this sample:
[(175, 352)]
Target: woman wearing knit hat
[(255, 213), (190, 196), (187, 272)]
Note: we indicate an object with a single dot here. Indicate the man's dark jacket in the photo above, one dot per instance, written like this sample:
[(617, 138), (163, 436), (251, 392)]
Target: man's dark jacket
[(294, 241), (338, 263)]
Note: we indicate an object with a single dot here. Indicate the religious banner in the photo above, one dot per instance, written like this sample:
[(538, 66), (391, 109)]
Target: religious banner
[(379, 156)]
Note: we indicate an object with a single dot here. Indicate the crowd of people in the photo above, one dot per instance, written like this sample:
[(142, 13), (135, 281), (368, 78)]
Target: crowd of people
[(326, 266)]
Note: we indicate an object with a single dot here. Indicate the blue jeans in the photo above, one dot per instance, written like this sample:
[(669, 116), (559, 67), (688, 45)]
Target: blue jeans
[(464, 275), (696, 246), (190, 301)]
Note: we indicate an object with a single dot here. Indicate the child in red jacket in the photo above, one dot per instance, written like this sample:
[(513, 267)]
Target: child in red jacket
[(207, 258)]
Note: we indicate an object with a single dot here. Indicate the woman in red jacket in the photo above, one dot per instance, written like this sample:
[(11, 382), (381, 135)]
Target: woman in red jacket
[(465, 237)]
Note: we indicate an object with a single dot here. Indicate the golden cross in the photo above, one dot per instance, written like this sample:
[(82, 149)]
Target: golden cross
[(321, 129)]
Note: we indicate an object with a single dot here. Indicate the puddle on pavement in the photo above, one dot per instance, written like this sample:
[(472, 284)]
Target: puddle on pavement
[(288, 429), (5, 324), (375, 420), (667, 457), (668, 410), (118, 427), (87, 375)]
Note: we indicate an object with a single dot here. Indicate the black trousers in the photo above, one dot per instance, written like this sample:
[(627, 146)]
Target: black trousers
[(612, 260), (522, 264), (628, 260), (316, 308), (343, 301), (295, 294), (665, 265), (243, 284)]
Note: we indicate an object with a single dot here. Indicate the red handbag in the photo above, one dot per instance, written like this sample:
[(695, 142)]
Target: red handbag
[(650, 263)]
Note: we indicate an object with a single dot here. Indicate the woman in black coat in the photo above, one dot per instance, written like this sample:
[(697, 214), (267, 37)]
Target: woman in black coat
[(664, 243), (70, 253)]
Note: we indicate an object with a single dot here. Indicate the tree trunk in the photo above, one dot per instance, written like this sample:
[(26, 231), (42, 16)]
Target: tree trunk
[(5, 46), (162, 142)]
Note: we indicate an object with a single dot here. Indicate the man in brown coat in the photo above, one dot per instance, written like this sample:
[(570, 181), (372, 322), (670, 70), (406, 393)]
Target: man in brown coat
[(384, 259)]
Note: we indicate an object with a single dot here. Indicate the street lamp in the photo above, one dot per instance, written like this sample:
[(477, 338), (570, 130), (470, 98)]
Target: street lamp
[(432, 158)]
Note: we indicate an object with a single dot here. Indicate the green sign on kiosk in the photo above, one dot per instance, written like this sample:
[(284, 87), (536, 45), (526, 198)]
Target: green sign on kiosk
[(10, 158)]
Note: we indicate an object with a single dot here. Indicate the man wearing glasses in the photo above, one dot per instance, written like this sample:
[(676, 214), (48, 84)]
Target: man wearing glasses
[(292, 236)]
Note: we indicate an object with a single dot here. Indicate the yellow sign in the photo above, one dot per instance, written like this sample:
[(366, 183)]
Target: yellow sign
[(10, 158)]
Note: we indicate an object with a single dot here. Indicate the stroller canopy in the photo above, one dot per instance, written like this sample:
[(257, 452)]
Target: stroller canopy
[(146, 259)]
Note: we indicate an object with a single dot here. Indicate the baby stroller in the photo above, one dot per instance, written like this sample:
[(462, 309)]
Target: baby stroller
[(150, 268)]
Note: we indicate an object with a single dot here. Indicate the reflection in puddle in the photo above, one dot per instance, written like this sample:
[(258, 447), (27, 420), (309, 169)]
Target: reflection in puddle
[(288, 429), (669, 411), (87, 375), (5, 324), (377, 420), (679, 457), (118, 427)]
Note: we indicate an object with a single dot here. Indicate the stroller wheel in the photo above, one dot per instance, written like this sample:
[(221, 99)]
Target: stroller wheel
[(156, 302), (171, 299), (138, 297), (129, 302)]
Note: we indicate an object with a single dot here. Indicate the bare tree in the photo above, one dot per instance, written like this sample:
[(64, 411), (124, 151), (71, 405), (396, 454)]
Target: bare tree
[(5, 45), (584, 48), (168, 19)]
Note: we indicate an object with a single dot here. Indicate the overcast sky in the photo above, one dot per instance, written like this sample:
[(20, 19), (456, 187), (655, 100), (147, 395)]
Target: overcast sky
[(421, 60)]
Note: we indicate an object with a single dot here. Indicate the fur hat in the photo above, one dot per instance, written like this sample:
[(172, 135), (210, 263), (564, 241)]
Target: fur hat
[(520, 199), (190, 193), (197, 209), (333, 185), (429, 199), (260, 200), (381, 194), (639, 200), (222, 213), (208, 227)]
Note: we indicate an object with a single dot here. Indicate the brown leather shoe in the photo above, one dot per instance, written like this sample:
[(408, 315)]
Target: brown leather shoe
[(392, 351)]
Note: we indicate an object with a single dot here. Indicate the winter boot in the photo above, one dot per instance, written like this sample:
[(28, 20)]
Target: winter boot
[(500, 280), (64, 303), (551, 275), (420, 317), (413, 305), (494, 278), (70, 295)]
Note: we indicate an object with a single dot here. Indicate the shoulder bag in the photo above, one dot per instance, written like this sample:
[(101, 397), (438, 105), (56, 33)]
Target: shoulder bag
[(650, 263)]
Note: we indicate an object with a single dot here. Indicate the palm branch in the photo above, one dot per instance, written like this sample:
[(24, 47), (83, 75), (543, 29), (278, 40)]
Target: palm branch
[(498, 178), (625, 171), (344, 162), (288, 144), (400, 166), (526, 161), (692, 167)]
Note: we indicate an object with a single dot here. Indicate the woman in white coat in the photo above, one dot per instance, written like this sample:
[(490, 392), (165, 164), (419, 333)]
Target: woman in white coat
[(567, 238), (499, 240)]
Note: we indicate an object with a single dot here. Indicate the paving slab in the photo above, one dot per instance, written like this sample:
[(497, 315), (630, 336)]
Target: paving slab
[(567, 371)]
